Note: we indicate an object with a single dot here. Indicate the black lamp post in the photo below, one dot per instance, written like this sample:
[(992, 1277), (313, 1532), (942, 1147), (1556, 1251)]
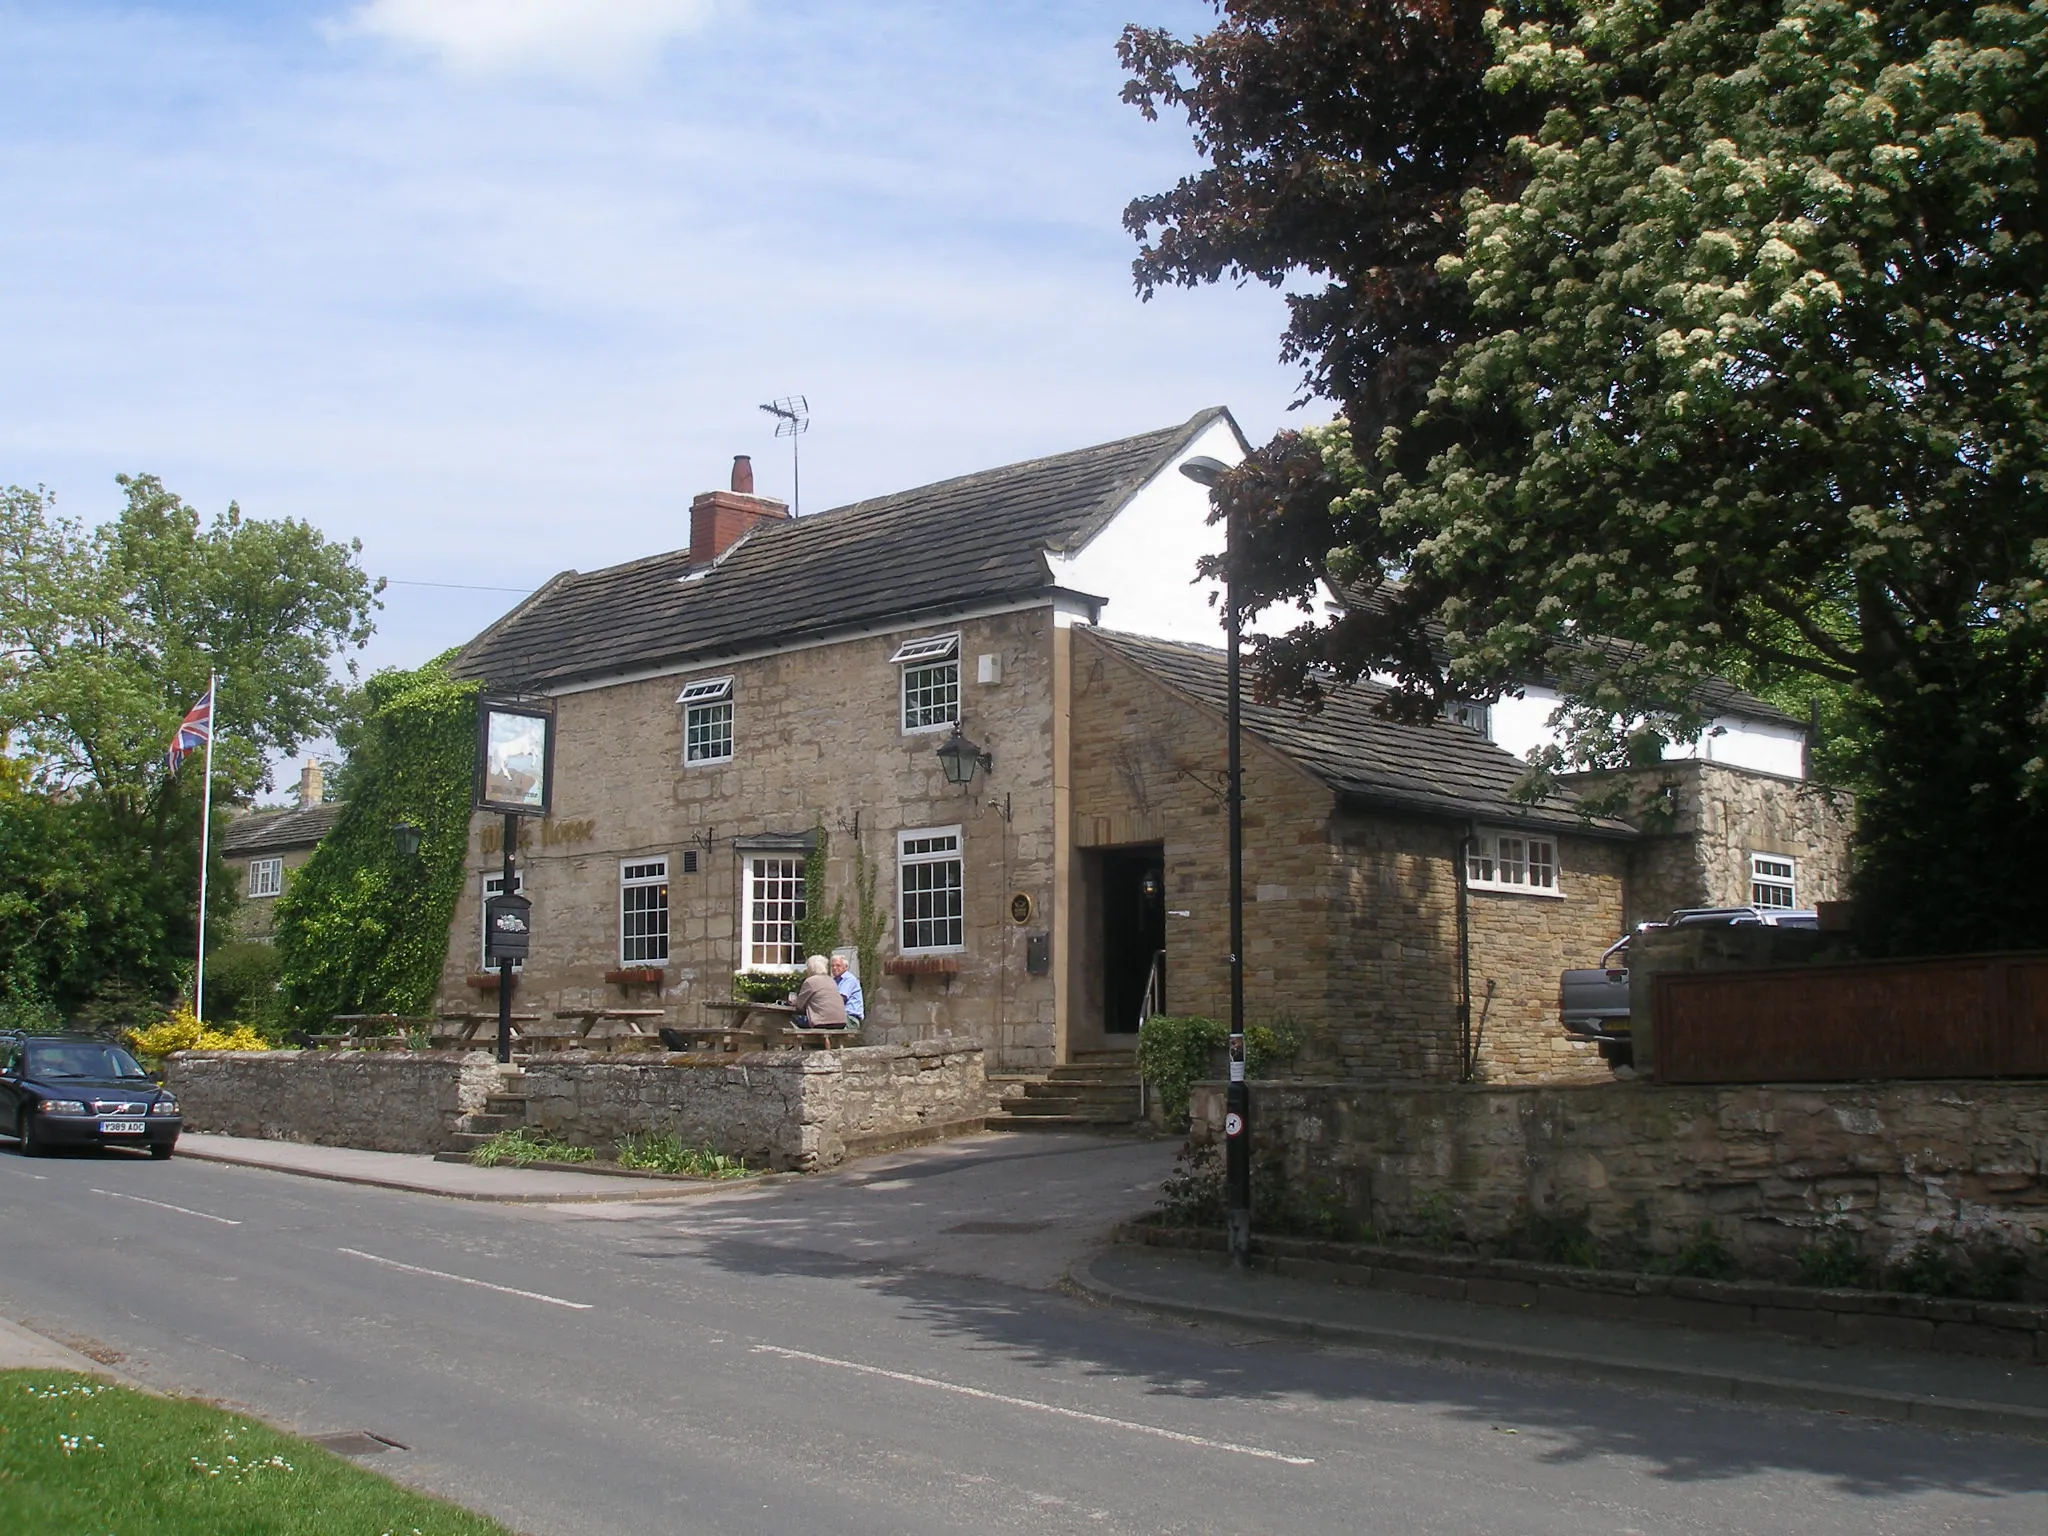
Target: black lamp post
[(961, 757), (1237, 1111)]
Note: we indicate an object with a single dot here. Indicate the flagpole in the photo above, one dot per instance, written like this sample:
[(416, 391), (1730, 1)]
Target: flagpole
[(205, 829)]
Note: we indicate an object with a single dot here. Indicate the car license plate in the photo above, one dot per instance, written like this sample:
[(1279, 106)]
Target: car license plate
[(122, 1127)]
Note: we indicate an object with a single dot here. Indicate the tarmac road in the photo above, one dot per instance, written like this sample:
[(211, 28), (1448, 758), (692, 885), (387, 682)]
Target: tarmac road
[(838, 1355)]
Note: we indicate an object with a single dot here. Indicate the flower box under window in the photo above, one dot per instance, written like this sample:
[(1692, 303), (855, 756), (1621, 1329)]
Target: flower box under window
[(910, 967), (635, 976), (483, 981)]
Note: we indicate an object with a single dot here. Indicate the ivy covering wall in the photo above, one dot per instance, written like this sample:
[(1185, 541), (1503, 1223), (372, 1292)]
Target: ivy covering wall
[(362, 928)]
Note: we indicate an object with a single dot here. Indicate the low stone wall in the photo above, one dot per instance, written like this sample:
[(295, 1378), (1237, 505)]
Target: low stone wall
[(383, 1101), (777, 1109), (1768, 1168)]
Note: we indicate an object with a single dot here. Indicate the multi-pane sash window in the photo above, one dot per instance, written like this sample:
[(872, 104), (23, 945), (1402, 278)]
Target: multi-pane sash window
[(931, 681), (643, 911), (773, 906), (266, 877), (493, 884), (1474, 717), (1771, 882), (1512, 861), (928, 875), (707, 721)]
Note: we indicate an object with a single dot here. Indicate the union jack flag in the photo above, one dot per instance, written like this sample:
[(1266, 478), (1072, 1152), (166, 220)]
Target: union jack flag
[(194, 731)]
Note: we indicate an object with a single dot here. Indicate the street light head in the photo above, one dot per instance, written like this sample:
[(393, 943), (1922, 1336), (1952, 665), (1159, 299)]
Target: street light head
[(1205, 471), (961, 757)]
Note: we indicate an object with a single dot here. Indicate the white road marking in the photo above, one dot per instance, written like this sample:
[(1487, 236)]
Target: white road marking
[(1025, 1402), (442, 1274), (165, 1205)]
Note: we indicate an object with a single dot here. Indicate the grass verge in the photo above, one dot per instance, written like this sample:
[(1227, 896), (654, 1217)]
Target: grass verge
[(521, 1146), (667, 1154), (81, 1454)]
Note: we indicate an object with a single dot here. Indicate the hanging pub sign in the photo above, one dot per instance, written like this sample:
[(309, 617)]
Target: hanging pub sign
[(508, 928), (515, 756)]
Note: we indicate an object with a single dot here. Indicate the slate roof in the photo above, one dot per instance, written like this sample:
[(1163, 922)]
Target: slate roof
[(937, 549), (1435, 768), (1716, 695), (279, 831)]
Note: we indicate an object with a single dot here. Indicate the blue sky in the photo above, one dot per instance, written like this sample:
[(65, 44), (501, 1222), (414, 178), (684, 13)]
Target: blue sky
[(496, 285)]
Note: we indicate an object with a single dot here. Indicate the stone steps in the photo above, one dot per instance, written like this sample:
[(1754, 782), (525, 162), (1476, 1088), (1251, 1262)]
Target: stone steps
[(1097, 1091)]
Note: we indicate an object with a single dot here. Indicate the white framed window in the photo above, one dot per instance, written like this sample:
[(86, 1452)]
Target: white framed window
[(931, 681), (930, 884), (1772, 881), (1474, 717), (771, 905), (493, 884), (643, 911), (1523, 862), (707, 721), (266, 877)]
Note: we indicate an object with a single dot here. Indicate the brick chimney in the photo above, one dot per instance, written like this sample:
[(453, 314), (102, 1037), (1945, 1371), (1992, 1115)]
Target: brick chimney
[(718, 518), (310, 786)]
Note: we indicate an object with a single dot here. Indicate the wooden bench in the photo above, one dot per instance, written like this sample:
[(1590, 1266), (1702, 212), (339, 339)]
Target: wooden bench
[(471, 1025), (634, 1038)]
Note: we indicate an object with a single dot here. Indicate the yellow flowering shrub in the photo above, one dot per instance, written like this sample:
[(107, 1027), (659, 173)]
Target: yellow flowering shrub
[(181, 1031)]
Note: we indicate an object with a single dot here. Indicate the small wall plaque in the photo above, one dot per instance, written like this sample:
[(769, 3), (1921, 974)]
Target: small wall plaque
[(1021, 909)]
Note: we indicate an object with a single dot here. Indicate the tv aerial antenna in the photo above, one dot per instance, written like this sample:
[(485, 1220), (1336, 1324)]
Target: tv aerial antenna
[(792, 415)]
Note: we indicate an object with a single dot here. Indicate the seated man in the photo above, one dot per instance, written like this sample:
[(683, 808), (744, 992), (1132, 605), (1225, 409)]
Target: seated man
[(817, 1002), (849, 989)]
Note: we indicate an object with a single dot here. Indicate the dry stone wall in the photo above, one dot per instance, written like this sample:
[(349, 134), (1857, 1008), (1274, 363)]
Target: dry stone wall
[(1767, 1168), (799, 1110), (382, 1101), (777, 1109)]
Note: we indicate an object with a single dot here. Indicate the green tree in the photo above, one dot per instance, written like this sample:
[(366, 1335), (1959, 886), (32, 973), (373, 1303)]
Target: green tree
[(107, 636), (1753, 379)]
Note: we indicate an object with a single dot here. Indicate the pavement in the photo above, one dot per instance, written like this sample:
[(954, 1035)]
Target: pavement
[(1059, 1241), (1914, 1386)]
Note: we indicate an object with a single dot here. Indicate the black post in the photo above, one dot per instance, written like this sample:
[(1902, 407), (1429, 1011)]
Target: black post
[(1237, 1116), (505, 961)]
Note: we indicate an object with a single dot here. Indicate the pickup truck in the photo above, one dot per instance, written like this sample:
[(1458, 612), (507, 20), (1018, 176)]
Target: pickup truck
[(1594, 1003)]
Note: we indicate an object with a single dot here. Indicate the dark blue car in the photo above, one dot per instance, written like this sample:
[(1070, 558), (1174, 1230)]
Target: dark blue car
[(71, 1091)]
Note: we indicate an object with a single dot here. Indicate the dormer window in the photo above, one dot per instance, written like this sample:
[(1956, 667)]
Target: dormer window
[(1474, 717), (707, 721), (931, 681)]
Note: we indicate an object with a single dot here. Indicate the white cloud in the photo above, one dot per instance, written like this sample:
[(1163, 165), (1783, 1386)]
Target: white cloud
[(581, 38)]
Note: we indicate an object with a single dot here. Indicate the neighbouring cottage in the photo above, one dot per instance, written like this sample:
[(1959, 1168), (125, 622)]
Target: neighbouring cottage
[(722, 707), (264, 847)]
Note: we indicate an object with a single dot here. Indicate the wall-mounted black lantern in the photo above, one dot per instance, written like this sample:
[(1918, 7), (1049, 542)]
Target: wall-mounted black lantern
[(406, 837), (961, 757)]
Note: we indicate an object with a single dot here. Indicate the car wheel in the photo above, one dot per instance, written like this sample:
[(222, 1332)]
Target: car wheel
[(161, 1149), (32, 1145)]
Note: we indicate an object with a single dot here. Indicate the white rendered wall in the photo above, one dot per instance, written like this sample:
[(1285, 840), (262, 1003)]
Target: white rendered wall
[(1143, 564), (1521, 725)]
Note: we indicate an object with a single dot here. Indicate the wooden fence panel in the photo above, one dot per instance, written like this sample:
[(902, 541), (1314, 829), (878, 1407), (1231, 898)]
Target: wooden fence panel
[(1957, 1016)]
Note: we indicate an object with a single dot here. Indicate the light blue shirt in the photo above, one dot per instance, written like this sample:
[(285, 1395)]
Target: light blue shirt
[(849, 988)]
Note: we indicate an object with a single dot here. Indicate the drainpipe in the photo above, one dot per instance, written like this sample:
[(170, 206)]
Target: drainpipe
[(1466, 1065)]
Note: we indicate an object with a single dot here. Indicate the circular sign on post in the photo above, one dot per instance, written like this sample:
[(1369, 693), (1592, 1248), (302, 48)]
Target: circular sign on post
[(1233, 1125)]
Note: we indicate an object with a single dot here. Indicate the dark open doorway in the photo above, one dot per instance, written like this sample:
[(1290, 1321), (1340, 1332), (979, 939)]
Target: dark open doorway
[(1133, 934)]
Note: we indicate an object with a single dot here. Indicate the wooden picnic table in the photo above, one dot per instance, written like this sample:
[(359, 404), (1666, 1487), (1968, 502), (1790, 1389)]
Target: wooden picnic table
[(471, 1023), (778, 1026), (587, 1019)]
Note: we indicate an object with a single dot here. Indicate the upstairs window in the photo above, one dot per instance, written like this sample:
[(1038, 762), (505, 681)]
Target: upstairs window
[(266, 877), (707, 721), (1474, 717), (1500, 860), (643, 911), (929, 878), (1771, 882), (931, 681)]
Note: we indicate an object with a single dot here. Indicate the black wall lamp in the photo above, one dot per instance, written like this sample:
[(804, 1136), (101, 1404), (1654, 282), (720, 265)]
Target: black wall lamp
[(406, 837), (961, 757)]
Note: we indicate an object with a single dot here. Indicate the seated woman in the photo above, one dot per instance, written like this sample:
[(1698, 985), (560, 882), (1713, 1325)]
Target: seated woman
[(817, 1002)]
